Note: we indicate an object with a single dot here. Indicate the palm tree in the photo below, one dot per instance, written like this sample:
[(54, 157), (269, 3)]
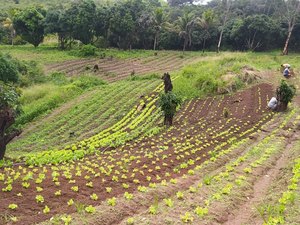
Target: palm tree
[(184, 26), (8, 24), (206, 22), (159, 20)]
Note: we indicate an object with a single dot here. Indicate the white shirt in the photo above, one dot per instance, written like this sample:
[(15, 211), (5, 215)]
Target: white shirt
[(272, 103)]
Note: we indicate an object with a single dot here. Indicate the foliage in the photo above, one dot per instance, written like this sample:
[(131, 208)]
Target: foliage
[(9, 97), (8, 70), (88, 50), (29, 24), (146, 24), (42, 98), (286, 92), (168, 103), (254, 32)]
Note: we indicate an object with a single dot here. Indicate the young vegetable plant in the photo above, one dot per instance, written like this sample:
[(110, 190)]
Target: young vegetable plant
[(90, 209)]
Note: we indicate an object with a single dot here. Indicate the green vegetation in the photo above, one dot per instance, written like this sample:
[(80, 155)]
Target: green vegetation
[(168, 103), (47, 54), (8, 70), (40, 99), (28, 24), (285, 94), (203, 78), (9, 109), (95, 110), (137, 24)]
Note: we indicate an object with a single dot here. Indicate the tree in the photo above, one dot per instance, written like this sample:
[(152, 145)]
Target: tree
[(103, 16), (122, 27), (9, 109), (168, 101), (179, 2), (206, 21), (290, 15), (54, 24), (285, 94), (29, 23), (253, 32), (85, 14), (151, 24), (158, 22), (8, 70), (226, 4), (184, 27)]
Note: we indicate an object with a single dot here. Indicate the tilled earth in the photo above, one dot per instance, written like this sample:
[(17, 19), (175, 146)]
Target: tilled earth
[(201, 126)]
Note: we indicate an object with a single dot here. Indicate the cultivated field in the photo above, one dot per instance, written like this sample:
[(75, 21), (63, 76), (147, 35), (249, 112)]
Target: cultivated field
[(103, 157)]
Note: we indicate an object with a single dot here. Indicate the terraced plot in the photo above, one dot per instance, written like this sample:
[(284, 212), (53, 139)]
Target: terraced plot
[(202, 133), (83, 117), (111, 69)]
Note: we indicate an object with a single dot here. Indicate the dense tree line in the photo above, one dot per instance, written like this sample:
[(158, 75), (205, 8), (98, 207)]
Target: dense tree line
[(151, 24)]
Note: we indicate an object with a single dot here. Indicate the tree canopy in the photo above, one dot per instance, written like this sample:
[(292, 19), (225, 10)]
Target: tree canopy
[(29, 23), (175, 24)]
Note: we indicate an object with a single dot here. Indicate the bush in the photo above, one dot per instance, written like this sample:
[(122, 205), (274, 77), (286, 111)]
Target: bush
[(59, 78), (88, 50), (285, 94), (8, 70), (101, 42), (19, 41), (9, 97), (85, 82), (31, 73), (168, 103)]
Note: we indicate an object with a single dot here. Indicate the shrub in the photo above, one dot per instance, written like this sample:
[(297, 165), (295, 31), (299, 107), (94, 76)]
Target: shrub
[(85, 82), (31, 73), (88, 50), (285, 94), (168, 103), (59, 78), (8, 70)]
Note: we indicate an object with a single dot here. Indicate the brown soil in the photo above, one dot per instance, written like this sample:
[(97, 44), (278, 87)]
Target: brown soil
[(245, 214), (117, 69), (199, 127)]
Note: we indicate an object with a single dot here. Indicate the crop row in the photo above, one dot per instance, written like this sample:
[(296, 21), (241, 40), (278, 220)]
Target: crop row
[(86, 169), (87, 118), (136, 165), (233, 175)]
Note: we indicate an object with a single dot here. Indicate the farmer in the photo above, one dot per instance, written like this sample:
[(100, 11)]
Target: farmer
[(285, 65), (272, 103), (286, 72)]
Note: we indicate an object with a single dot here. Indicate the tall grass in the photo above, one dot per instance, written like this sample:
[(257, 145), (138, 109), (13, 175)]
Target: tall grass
[(204, 78), (39, 99)]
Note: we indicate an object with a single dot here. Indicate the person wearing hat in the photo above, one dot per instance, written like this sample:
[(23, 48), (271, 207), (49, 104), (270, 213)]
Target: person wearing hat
[(286, 70)]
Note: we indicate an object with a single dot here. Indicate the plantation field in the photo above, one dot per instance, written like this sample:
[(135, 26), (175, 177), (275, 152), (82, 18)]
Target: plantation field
[(85, 116), (111, 69), (103, 156)]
